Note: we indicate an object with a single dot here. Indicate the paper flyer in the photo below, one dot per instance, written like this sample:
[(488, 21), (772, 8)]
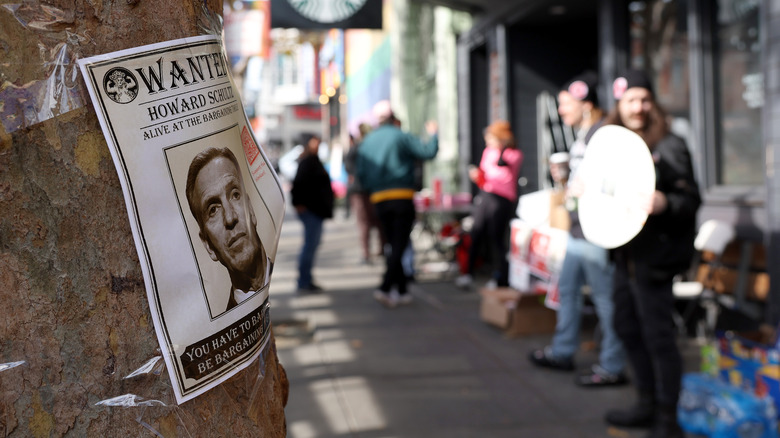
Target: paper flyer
[(204, 203)]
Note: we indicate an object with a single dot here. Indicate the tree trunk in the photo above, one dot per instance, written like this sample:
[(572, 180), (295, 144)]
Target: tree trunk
[(72, 298)]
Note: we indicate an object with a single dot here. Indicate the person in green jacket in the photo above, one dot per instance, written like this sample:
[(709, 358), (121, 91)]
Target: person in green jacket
[(385, 166)]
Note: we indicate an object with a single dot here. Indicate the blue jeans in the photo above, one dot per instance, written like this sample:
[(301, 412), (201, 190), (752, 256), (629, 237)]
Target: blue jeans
[(586, 263), (312, 232), (407, 260)]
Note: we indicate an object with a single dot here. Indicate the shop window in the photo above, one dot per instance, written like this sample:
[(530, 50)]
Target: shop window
[(659, 46), (740, 93)]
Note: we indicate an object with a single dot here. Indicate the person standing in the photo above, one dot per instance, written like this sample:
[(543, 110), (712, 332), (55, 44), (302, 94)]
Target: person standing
[(385, 166), (584, 263), (495, 204), (312, 197), (359, 201), (645, 266)]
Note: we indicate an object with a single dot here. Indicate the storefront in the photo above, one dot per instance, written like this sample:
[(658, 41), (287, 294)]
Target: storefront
[(716, 71)]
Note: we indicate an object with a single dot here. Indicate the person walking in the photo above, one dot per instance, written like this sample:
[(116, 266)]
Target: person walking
[(584, 263), (365, 214), (495, 204), (645, 266), (385, 166), (312, 197)]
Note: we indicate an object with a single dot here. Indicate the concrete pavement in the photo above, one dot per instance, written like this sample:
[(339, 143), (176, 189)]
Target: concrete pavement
[(429, 369)]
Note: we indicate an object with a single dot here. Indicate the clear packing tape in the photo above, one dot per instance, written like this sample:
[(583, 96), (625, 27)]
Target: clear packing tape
[(59, 90), (153, 367), (23, 105)]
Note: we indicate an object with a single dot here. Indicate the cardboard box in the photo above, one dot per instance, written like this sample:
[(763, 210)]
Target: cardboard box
[(531, 317), (517, 314), (497, 305)]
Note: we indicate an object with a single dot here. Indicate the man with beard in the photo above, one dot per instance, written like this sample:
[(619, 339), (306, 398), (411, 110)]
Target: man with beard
[(227, 223), (645, 266)]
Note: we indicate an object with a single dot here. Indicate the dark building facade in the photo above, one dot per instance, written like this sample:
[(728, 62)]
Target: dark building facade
[(716, 70)]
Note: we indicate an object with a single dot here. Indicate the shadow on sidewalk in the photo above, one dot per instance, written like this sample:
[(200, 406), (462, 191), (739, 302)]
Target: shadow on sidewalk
[(428, 369)]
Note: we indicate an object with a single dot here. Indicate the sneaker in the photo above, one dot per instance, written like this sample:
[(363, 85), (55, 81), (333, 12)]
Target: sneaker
[(385, 298), (598, 377), (491, 285), (543, 357), (310, 289), (396, 298), (464, 281), (404, 299)]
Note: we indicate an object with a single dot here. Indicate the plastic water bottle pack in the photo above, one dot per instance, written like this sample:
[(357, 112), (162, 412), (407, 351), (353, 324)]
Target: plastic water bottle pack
[(712, 408)]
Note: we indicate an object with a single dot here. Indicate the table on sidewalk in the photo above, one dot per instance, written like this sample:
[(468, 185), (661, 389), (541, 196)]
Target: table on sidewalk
[(438, 230)]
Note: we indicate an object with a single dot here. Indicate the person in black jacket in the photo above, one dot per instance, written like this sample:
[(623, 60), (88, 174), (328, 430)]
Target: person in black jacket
[(645, 266), (312, 197)]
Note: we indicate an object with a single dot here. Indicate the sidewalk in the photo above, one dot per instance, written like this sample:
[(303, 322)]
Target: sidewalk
[(429, 369)]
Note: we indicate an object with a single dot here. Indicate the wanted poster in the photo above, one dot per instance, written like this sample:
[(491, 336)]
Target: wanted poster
[(205, 205)]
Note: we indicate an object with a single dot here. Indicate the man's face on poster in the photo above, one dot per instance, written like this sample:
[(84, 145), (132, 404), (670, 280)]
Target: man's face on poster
[(227, 221)]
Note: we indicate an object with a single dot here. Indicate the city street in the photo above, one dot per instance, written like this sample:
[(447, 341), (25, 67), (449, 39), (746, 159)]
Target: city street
[(429, 369)]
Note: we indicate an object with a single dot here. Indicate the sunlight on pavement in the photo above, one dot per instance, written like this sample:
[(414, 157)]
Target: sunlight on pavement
[(331, 406), (338, 351), (318, 318), (319, 300), (352, 398), (330, 334), (345, 405), (301, 429)]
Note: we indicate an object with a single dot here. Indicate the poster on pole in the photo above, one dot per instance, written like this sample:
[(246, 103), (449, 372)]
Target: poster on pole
[(204, 203)]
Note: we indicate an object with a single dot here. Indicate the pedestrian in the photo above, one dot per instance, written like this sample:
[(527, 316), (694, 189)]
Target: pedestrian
[(495, 204), (585, 263), (312, 197), (365, 214), (385, 165), (645, 266)]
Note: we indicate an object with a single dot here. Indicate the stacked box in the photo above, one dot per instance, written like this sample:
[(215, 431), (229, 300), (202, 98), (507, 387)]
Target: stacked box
[(515, 313)]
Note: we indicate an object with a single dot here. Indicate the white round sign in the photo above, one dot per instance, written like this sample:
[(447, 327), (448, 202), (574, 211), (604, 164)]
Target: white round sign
[(616, 179)]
